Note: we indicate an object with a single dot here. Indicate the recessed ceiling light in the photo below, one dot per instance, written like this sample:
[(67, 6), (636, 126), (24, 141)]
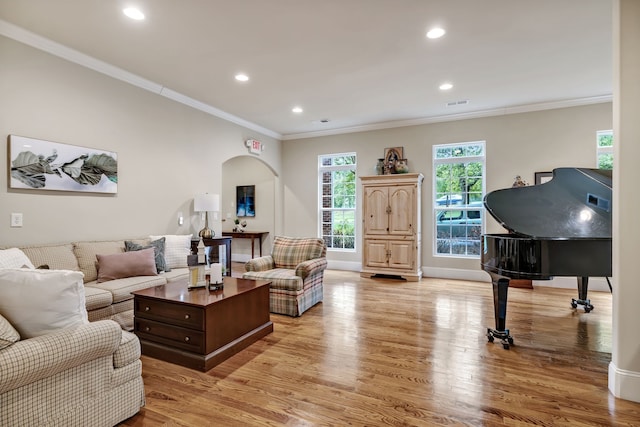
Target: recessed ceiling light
[(446, 86), (297, 110), (133, 13), (435, 33), (242, 77)]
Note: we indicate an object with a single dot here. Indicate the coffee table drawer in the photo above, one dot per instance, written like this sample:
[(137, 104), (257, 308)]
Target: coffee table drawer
[(176, 314), (187, 339)]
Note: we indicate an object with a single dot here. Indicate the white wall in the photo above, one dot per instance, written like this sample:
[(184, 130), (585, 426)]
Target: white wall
[(167, 152), (516, 144)]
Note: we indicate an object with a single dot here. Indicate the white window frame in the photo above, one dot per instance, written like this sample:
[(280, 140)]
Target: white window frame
[(321, 209), (438, 208), (603, 150)]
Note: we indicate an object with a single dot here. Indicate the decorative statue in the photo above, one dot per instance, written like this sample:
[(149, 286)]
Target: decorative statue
[(519, 182), (242, 225)]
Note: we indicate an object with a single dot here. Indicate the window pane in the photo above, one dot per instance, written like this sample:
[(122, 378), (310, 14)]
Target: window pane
[(605, 139), (459, 191), (338, 200), (605, 161), (605, 149)]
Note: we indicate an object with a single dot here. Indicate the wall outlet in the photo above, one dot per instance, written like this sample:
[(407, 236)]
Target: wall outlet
[(16, 220)]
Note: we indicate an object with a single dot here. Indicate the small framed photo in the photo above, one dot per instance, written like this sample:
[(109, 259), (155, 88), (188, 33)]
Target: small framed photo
[(542, 177), (246, 200)]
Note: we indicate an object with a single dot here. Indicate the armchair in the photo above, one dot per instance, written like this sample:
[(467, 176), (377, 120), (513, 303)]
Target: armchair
[(296, 270)]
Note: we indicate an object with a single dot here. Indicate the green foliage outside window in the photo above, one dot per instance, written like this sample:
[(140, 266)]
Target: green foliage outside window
[(459, 190), (338, 176), (605, 161), (605, 145)]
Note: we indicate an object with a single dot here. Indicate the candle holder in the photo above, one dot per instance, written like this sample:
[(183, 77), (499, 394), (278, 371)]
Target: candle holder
[(216, 287)]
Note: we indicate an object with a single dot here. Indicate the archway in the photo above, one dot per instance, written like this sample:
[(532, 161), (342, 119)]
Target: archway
[(250, 171)]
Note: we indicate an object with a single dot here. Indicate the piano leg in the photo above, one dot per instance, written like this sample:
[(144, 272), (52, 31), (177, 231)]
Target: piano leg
[(500, 288), (583, 286)]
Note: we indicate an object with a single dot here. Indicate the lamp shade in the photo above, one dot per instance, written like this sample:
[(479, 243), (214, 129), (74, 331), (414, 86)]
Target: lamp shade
[(206, 202)]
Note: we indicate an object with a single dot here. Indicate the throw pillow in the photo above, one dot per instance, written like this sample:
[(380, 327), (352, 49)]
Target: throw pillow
[(86, 253), (176, 249), (56, 256), (14, 258), (8, 334), (157, 245), (126, 264), (37, 302)]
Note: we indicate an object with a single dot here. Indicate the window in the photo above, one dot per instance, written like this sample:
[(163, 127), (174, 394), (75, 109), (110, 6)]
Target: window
[(605, 149), (458, 182), (337, 180)]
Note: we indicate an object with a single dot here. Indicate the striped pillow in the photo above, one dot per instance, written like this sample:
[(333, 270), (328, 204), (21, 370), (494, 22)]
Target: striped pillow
[(176, 249)]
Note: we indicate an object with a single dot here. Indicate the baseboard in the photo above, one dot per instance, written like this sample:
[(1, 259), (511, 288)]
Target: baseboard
[(240, 258), (455, 273), (333, 264), (595, 283), (624, 384)]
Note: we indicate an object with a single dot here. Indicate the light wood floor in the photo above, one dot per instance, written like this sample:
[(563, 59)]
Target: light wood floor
[(385, 352)]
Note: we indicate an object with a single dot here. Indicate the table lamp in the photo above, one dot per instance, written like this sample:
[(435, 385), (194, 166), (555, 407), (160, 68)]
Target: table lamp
[(206, 203)]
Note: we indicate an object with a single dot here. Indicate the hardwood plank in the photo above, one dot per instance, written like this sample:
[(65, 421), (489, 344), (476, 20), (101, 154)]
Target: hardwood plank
[(390, 352)]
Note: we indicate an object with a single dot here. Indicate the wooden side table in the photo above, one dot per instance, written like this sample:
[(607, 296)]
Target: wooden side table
[(215, 243), (253, 235)]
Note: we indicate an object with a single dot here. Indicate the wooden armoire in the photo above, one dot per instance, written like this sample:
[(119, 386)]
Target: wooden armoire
[(391, 225)]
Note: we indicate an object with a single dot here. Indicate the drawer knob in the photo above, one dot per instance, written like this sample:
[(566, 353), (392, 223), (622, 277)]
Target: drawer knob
[(187, 339), (147, 308), (187, 316), (147, 329)]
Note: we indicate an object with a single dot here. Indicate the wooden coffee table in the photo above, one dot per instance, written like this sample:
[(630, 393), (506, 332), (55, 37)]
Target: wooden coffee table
[(200, 328)]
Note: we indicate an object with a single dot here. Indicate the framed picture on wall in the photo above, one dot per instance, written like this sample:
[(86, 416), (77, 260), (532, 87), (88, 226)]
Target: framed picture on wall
[(542, 177), (246, 200), (36, 164)]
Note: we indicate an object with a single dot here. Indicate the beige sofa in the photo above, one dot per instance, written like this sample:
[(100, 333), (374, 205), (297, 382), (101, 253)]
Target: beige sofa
[(108, 300), (81, 373), (88, 375)]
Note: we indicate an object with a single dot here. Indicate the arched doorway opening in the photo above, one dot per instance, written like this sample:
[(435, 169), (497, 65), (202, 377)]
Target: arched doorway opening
[(250, 171)]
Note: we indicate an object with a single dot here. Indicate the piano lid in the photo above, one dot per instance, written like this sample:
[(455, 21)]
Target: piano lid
[(574, 204)]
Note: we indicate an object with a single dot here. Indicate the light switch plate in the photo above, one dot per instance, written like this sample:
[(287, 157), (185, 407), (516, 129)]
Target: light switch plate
[(16, 220)]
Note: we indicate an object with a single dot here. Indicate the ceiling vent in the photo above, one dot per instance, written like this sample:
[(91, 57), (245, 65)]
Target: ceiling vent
[(454, 103)]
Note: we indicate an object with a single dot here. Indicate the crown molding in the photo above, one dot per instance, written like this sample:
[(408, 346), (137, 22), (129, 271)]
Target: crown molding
[(453, 117), (34, 40), (42, 43)]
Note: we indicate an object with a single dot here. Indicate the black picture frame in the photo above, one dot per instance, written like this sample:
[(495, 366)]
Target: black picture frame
[(542, 177), (246, 201)]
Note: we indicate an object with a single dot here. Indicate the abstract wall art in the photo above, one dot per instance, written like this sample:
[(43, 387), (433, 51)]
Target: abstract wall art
[(44, 165)]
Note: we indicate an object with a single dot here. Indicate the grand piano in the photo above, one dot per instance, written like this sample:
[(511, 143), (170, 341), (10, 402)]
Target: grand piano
[(559, 228)]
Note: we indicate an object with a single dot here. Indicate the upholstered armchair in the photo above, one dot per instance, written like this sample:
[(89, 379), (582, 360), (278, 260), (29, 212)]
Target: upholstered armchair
[(296, 270)]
